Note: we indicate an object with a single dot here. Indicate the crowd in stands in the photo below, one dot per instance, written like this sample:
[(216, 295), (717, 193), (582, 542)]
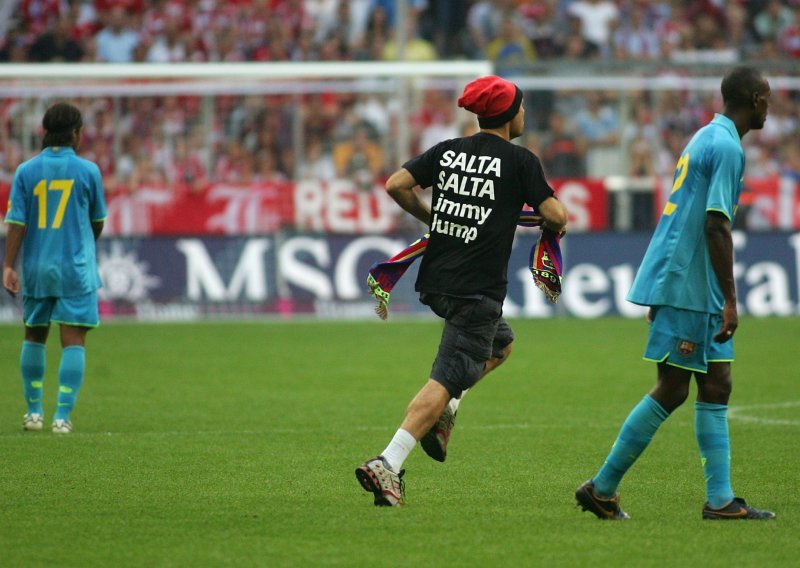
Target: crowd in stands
[(167, 140), (505, 31)]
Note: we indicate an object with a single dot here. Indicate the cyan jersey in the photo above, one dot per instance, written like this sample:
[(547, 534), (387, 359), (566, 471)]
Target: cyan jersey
[(56, 196), (676, 270)]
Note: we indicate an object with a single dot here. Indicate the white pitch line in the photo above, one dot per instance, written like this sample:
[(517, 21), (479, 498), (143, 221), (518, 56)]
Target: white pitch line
[(745, 413)]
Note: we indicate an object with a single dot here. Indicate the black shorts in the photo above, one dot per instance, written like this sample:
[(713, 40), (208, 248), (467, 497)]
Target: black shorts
[(474, 332)]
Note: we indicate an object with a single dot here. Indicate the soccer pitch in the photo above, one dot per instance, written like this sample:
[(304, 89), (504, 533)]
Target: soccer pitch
[(234, 444)]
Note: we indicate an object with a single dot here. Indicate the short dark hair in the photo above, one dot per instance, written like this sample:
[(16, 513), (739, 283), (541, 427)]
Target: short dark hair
[(739, 86), (59, 122)]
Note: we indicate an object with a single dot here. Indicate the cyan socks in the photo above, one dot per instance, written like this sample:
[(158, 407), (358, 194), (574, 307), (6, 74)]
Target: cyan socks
[(636, 433), (398, 449), (32, 365), (711, 431), (70, 378)]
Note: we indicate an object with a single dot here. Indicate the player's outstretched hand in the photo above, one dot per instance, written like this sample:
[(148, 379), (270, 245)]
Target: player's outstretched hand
[(730, 321), (10, 281)]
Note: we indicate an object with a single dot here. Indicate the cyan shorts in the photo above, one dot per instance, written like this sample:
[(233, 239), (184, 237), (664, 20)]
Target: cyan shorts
[(80, 311), (685, 339), (474, 332)]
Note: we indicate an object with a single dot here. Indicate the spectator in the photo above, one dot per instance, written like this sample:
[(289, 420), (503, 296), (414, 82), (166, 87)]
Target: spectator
[(416, 48), (357, 18), (597, 122), (562, 153), (371, 109), (597, 18), (640, 158), (115, 43), (10, 157), (359, 158), (573, 44), (146, 174), (56, 45), (325, 17), (738, 36), (511, 48), (448, 23), (443, 125), (540, 26), (305, 48), (789, 37), (232, 164), (761, 163), (266, 168), (668, 154), (188, 169), (634, 39), (641, 124), (317, 164), (13, 47), (174, 115), (377, 25), (38, 16), (483, 24), (321, 111), (772, 19), (126, 162), (415, 7), (168, 46), (790, 158)]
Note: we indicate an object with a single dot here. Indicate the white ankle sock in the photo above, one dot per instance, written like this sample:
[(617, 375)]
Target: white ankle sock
[(398, 449), (454, 402)]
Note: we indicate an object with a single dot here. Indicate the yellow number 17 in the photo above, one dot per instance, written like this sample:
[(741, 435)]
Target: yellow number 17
[(682, 169), (40, 191)]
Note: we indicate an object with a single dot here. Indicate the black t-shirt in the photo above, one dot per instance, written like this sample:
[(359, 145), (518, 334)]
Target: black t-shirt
[(480, 183)]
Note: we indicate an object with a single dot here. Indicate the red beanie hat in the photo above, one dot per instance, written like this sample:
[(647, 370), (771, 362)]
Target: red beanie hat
[(494, 100)]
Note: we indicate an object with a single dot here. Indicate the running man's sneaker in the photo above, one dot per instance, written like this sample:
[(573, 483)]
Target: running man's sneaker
[(62, 426), (736, 509), (377, 478), (434, 443), (603, 508), (32, 422)]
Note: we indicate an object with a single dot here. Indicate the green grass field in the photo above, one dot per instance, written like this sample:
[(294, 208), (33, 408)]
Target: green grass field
[(234, 445)]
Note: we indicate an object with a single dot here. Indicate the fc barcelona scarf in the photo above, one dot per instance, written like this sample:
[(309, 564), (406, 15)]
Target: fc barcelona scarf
[(545, 265)]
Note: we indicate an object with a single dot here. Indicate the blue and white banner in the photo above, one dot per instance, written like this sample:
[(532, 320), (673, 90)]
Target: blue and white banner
[(288, 275)]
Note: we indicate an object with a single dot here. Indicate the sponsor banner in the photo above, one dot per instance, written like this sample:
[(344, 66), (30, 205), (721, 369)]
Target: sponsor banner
[(253, 209), (343, 207), (306, 274), (586, 201)]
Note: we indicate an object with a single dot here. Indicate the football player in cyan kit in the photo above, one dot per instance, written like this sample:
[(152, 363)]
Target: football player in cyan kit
[(686, 278), (56, 212)]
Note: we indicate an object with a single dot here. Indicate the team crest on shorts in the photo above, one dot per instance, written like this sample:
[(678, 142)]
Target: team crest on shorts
[(686, 348)]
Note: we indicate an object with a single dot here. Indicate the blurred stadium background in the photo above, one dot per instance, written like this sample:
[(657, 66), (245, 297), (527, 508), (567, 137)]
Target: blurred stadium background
[(244, 144)]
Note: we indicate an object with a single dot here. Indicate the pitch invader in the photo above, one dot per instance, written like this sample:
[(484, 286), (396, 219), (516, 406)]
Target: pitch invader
[(686, 278), (463, 276), (56, 213)]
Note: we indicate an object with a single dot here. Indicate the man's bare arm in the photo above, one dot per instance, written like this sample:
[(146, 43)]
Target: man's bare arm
[(400, 186), (14, 237), (720, 249), (554, 215)]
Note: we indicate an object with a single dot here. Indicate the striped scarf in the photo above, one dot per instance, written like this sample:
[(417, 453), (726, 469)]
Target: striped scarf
[(545, 265)]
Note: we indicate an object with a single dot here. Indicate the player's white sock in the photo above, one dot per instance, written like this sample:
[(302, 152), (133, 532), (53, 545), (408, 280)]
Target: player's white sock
[(454, 402), (398, 449)]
